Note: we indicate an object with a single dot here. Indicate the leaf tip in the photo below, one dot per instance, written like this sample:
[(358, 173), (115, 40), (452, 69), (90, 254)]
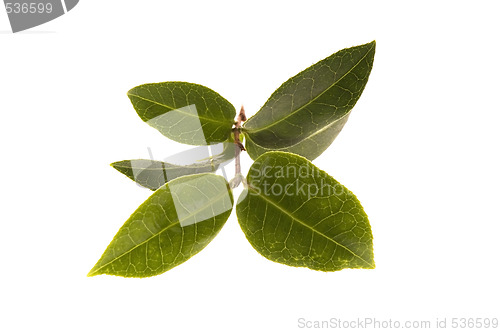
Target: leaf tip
[(121, 166), (92, 273), (115, 164), (130, 92), (371, 45)]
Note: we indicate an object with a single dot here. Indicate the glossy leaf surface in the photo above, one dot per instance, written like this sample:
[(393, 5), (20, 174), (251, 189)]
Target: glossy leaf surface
[(173, 224), (185, 112), (153, 174), (307, 112), (294, 213)]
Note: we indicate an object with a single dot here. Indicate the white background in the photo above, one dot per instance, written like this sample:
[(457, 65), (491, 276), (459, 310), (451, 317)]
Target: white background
[(420, 151)]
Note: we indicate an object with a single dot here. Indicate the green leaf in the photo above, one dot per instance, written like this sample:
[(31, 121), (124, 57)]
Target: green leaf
[(185, 112), (295, 214), (153, 174), (308, 111), (177, 221)]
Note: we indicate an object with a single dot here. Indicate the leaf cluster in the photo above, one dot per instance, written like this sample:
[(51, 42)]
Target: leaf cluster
[(290, 211)]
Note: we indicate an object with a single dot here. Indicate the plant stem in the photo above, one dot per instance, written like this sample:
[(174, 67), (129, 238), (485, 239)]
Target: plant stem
[(235, 182)]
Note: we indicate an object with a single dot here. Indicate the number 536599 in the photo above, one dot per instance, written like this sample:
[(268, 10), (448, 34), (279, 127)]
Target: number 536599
[(25, 7)]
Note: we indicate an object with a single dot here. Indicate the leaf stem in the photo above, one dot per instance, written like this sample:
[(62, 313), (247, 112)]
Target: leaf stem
[(238, 177)]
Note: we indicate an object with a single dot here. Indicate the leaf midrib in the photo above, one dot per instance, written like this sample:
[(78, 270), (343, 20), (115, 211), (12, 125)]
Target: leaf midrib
[(307, 226), (311, 101), (169, 167), (322, 129), (178, 109), (93, 272)]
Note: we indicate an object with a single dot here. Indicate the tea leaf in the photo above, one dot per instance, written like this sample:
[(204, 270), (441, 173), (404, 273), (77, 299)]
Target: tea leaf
[(153, 174), (295, 214), (185, 112), (177, 221), (307, 112)]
